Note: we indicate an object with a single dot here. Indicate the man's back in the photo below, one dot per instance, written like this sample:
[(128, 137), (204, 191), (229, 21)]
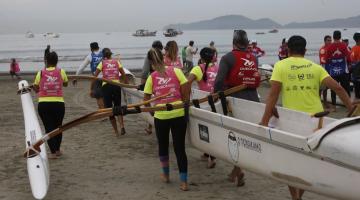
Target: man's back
[(189, 53), (300, 81)]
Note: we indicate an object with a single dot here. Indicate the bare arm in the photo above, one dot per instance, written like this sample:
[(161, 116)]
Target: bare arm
[(185, 90), (271, 102), (333, 85), (191, 78), (123, 75)]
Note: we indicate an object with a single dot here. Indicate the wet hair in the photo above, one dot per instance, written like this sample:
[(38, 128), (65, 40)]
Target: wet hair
[(94, 46), (337, 35), (356, 37), (172, 50), (327, 37), (191, 43), (106, 53), (297, 45), (156, 59), (207, 55), (51, 59), (240, 38), (157, 45)]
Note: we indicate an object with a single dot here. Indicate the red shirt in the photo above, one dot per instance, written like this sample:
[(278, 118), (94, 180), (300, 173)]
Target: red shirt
[(337, 50), (322, 55)]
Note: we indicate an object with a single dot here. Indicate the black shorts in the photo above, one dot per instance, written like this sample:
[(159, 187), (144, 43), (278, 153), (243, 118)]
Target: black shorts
[(97, 89), (112, 95)]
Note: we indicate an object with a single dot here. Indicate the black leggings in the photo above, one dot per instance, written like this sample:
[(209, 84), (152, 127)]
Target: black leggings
[(344, 82), (357, 89), (111, 95), (52, 115), (178, 132)]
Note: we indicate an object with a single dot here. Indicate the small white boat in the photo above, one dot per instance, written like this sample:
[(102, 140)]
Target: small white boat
[(170, 33), (326, 161), (144, 33), (29, 34), (37, 166), (51, 35)]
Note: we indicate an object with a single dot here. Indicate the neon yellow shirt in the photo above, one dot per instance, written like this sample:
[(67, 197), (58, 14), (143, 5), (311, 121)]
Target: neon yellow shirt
[(51, 99), (198, 73), (300, 82), (100, 67), (148, 89)]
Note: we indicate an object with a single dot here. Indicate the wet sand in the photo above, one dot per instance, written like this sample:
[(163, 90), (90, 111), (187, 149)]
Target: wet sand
[(97, 165)]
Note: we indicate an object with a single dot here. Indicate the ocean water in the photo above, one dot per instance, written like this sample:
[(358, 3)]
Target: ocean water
[(72, 48)]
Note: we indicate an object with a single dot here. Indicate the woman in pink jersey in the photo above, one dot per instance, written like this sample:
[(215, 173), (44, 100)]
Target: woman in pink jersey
[(49, 83), (171, 57), (14, 69), (111, 70), (205, 74), (162, 81)]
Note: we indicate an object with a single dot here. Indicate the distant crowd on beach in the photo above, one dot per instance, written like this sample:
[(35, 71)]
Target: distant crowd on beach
[(169, 77)]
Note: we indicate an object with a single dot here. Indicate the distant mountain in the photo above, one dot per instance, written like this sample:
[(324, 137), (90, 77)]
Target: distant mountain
[(228, 22), (351, 22), (239, 21)]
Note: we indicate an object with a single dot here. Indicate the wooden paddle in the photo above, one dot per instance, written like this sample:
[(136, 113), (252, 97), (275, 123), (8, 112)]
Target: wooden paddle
[(355, 111), (34, 149), (102, 79)]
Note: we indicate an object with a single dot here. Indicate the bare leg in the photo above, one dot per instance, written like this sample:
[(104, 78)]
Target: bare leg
[(113, 123), (296, 193), (121, 123), (148, 130), (237, 174), (100, 103)]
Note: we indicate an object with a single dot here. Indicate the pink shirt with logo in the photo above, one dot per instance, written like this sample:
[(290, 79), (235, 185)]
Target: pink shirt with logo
[(165, 84), (211, 73), (177, 63), (110, 69), (51, 83)]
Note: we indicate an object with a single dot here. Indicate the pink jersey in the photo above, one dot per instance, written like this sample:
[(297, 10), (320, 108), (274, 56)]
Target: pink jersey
[(110, 69), (170, 63), (211, 73), (163, 85), (51, 83), (14, 67)]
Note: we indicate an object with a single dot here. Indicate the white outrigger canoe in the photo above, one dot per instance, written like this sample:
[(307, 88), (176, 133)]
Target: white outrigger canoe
[(37, 166), (326, 161)]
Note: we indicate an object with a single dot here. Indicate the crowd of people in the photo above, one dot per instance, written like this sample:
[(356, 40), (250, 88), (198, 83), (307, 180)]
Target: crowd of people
[(164, 72)]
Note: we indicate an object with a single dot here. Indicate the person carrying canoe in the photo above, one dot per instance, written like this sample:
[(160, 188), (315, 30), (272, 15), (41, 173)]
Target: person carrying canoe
[(299, 80), (163, 80), (236, 68), (171, 57), (48, 84), (146, 71), (111, 69), (205, 75), (94, 58)]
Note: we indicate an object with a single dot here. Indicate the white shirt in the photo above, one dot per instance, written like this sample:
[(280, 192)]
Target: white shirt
[(190, 51), (86, 62)]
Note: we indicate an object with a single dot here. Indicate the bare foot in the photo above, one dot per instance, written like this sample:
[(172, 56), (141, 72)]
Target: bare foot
[(184, 186)]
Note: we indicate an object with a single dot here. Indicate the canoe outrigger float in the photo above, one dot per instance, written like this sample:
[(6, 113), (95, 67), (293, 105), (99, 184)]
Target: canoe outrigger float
[(291, 150), (37, 166)]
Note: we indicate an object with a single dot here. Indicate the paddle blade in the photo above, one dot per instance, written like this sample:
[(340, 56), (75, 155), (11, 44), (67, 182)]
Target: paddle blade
[(355, 111), (32, 152)]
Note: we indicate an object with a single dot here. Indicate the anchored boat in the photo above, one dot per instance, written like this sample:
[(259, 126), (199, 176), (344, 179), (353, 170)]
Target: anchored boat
[(37, 165), (290, 150), (144, 33)]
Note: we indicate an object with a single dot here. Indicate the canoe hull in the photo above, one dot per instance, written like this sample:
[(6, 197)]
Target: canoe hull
[(275, 153), (37, 166)]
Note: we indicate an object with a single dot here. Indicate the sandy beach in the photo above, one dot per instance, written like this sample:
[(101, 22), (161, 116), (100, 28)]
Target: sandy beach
[(97, 165)]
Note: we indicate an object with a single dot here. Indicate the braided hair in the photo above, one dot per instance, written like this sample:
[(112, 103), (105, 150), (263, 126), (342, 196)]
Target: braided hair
[(207, 55)]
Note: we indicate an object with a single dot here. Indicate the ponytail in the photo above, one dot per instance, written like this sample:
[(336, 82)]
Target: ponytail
[(156, 59), (207, 55)]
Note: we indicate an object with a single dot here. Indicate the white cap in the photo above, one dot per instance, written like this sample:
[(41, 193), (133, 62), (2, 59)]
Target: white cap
[(253, 41)]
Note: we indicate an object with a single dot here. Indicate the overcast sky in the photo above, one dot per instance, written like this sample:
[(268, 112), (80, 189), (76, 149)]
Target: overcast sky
[(128, 15)]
